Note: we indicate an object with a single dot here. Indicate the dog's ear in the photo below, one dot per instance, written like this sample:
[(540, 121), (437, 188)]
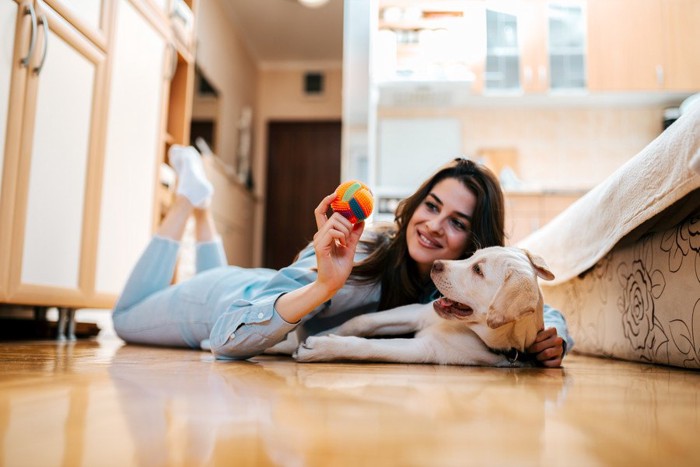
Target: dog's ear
[(514, 299), (541, 268)]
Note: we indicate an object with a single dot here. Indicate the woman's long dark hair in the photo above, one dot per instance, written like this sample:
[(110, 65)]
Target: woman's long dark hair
[(389, 261)]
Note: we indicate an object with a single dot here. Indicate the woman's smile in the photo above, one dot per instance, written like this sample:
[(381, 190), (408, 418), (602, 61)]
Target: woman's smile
[(428, 241)]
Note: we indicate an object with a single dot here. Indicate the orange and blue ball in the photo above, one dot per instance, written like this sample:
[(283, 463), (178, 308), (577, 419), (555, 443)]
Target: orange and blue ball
[(354, 201)]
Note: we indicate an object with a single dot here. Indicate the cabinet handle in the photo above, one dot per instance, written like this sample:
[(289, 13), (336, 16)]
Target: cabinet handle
[(173, 61), (660, 75), (29, 10), (44, 22)]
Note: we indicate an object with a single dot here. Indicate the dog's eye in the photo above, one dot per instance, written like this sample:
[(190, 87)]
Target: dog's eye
[(477, 270)]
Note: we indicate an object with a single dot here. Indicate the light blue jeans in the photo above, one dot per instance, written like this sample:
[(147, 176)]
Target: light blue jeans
[(152, 311)]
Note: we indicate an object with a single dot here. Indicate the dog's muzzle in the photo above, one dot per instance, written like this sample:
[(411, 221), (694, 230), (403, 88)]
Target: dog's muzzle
[(451, 309)]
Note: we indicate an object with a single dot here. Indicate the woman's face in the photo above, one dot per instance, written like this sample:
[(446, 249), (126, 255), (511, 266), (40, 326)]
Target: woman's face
[(441, 226)]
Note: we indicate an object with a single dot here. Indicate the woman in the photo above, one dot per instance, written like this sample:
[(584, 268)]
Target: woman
[(238, 312)]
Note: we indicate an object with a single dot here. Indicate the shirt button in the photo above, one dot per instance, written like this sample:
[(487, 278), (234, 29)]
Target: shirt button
[(233, 335), (260, 315)]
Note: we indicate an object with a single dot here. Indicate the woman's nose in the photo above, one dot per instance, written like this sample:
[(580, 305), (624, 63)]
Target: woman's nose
[(435, 225)]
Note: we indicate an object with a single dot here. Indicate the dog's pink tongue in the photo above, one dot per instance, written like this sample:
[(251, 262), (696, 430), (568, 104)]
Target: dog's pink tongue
[(446, 302), (456, 307)]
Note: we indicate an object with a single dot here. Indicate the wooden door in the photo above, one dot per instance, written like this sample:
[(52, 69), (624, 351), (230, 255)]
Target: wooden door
[(303, 167)]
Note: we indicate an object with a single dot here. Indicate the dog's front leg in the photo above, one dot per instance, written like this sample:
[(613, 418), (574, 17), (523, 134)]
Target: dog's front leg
[(397, 321), (334, 348)]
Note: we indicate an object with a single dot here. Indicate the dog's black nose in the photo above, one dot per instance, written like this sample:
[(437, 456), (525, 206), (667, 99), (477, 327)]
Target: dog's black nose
[(438, 266)]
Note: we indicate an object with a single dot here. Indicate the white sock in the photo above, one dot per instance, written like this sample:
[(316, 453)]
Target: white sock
[(192, 182)]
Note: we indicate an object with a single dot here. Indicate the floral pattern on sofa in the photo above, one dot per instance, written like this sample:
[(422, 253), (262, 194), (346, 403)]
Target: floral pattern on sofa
[(641, 302)]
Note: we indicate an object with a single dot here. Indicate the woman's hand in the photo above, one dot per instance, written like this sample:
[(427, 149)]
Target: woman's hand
[(548, 348), (335, 243)]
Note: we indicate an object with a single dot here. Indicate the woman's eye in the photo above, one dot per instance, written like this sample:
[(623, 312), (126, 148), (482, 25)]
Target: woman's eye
[(459, 225), (431, 206)]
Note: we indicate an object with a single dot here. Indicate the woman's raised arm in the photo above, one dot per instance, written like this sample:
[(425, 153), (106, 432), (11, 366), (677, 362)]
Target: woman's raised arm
[(334, 243)]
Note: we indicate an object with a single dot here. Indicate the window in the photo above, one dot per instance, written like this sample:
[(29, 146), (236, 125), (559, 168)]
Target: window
[(567, 47), (502, 54)]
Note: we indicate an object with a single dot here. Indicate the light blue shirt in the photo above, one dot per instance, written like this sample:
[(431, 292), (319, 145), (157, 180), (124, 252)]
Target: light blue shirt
[(250, 324)]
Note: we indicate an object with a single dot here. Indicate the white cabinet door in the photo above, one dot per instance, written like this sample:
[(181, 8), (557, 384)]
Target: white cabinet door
[(56, 150), (134, 146), (89, 11), (8, 21), (535, 46), (162, 5), (8, 28)]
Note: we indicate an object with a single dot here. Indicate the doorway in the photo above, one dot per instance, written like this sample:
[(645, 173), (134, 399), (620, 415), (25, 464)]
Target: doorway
[(303, 166)]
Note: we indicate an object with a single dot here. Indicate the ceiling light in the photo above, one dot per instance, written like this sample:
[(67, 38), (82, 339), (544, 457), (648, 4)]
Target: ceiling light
[(313, 3)]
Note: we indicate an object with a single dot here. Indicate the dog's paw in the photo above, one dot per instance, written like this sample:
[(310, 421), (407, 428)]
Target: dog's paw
[(316, 349), (508, 363)]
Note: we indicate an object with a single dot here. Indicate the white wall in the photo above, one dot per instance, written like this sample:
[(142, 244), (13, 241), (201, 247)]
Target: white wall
[(231, 69), (557, 147)]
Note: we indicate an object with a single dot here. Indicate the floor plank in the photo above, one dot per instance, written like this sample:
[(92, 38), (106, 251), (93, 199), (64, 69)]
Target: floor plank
[(101, 402)]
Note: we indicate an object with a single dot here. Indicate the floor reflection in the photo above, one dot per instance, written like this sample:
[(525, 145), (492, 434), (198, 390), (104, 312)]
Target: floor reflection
[(276, 411), (90, 403)]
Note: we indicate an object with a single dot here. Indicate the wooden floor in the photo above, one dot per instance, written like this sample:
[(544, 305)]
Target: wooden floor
[(101, 403)]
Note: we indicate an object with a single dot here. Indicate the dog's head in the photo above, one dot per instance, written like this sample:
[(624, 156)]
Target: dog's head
[(495, 286)]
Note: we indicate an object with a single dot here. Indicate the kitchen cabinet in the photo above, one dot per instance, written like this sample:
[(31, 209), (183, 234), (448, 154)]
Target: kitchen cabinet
[(151, 72), (650, 50), (90, 17), (681, 32), (625, 55), (85, 122), (133, 146), (534, 46), (53, 139), (544, 46), (528, 211), (163, 6), (500, 47), (503, 41), (9, 11)]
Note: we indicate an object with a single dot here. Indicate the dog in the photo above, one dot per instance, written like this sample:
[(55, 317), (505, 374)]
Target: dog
[(490, 311)]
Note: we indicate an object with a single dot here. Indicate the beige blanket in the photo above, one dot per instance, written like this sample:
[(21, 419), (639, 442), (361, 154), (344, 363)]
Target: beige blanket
[(661, 175)]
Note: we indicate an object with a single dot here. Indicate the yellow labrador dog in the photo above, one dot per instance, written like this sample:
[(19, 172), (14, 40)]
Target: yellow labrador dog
[(491, 311)]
